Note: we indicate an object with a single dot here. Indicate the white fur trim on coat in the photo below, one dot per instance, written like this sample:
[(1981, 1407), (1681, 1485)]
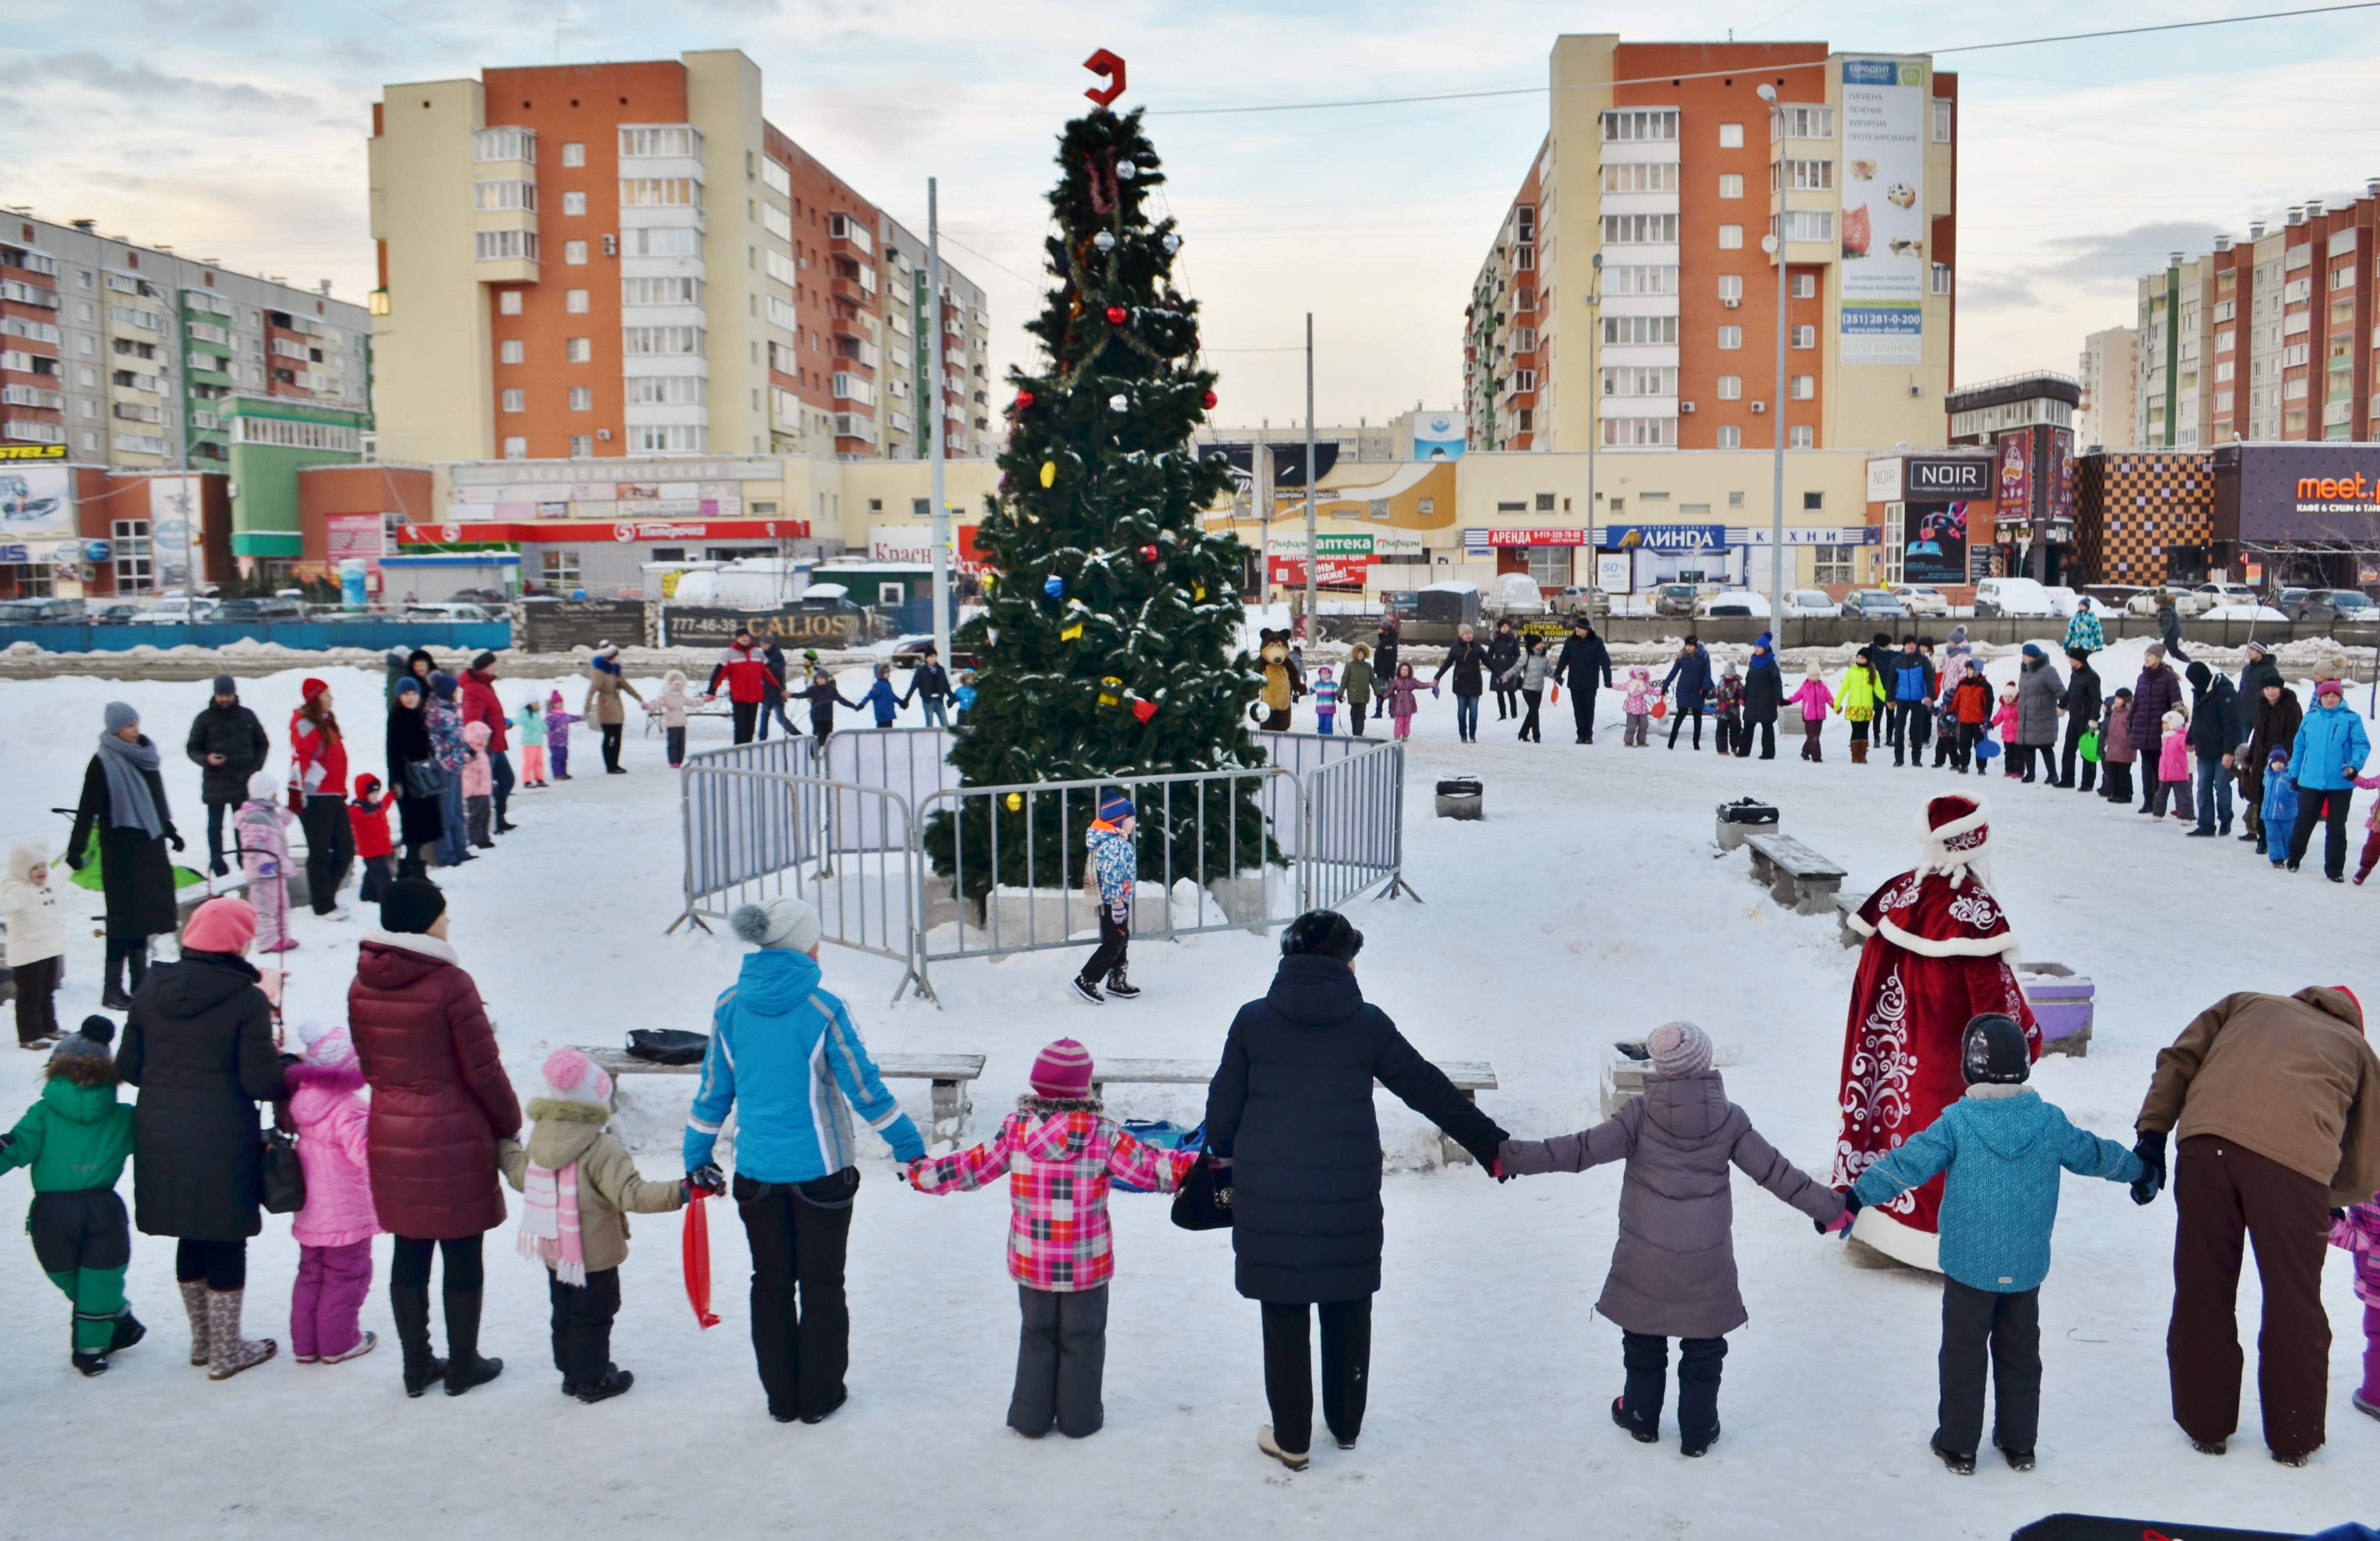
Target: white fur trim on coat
[(410, 941), (1953, 947)]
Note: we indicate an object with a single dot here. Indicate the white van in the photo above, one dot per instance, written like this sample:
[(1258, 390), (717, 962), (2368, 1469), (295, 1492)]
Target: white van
[(2012, 595)]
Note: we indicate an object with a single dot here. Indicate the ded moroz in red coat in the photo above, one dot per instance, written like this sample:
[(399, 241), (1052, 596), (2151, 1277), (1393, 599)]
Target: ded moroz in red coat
[(439, 1096), (1939, 952)]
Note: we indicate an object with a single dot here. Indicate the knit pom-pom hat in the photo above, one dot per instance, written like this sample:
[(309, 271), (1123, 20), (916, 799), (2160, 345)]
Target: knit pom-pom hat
[(1678, 1048), (573, 1078), (786, 922), (1063, 1069)]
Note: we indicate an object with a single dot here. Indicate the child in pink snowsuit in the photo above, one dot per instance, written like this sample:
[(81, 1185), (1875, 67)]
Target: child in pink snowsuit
[(1636, 706), (557, 736), (2359, 1233), (2004, 721), (1815, 699), (479, 783), (334, 1230), (1398, 694), (2173, 767), (260, 829)]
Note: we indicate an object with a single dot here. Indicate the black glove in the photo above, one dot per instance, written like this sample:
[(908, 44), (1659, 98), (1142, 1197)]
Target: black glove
[(75, 860), (7, 1139), (175, 840), (1488, 1149), (2150, 1148), (2336, 1215), (706, 1178)]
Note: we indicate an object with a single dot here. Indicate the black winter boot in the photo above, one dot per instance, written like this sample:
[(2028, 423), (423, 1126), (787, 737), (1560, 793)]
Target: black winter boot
[(1121, 988), (410, 1305), (127, 1333), (112, 996), (465, 1368)]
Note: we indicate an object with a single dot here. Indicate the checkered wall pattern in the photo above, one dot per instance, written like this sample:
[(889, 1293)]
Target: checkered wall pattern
[(2129, 506)]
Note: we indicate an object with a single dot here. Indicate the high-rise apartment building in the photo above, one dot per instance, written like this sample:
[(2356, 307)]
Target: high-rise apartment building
[(916, 358), (1627, 298), (602, 260), (2269, 338), (2105, 418)]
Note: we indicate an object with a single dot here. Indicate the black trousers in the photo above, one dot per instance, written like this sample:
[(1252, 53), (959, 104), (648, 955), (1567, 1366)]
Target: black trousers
[(2149, 764), (582, 1325), (801, 1323), (1530, 727), (216, 813), (2119, 782), (1109, 956), (2329, 809), (676, 739), (223, 1265), (377, 877), (2071, 752), (1581, 711), (1355, 722), (611, 744), (1288, 1370), (1062, 1355), (2006, 1329), (466, 1264), (330, 849), (1505, 705), (1768, 727), (1678, 720), (1912, 724), (37, 999), (748, 719), (1726, 731), (1647, 1358)]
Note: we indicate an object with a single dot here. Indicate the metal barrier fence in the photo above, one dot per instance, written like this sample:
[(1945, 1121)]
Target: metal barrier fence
[(861, 828)]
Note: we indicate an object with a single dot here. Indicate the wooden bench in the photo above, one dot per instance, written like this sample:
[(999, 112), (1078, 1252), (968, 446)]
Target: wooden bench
[(1470, 1078), (1795, 876), (949, 1074)]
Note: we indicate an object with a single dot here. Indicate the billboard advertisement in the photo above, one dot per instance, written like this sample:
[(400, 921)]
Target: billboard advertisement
[(177, 528), (2016, 478), (1883, 212), (1438, 435), (37, 508), (2315, 493), (2060, 468), (1665, 537), (1933, 542)]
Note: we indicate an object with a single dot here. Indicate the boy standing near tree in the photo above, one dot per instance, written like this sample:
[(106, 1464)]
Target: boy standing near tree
[(1113, 865)]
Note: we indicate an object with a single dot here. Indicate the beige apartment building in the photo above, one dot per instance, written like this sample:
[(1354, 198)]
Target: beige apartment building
[(607, 261), (2109, 411), (1626, 300)]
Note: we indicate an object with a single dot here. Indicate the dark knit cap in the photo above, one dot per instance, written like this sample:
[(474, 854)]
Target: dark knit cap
[(442, 684), (411, 907), (1322, 932), (1994, 1051), (82, 1057), (483, 660), (226, 686)]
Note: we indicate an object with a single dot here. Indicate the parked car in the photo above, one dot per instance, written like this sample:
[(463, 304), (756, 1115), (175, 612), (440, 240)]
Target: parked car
[(1733, 601), (1811, 603), (2113, 599), (1873, 604), (1676, 599), (2219, 594), (178, 610), (494, 598), (2345, 606), (122, 613), (2189, 604), (2286, 600), (275, 609), (1583, 599), (445, 610), (1513, 594), (40, 613), (2063, 602), (909, 651), (2244, 612), (2012, 595), (1920, 600)]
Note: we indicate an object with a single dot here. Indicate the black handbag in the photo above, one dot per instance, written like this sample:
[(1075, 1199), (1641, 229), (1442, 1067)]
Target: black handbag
[(285, 1178), (667, 1046), (424, 780), (1202, 1203)]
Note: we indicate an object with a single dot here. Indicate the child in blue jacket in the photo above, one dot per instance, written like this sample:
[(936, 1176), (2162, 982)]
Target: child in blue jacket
[(882, 697), (2279, 813), (2003, 1148)]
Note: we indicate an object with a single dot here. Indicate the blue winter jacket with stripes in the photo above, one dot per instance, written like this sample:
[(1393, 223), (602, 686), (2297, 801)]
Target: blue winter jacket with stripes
[(784, 1052)]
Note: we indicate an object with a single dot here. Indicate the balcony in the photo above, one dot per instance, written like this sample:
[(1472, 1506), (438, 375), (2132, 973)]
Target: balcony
[(847, 323), (849, 232), (850, 291)]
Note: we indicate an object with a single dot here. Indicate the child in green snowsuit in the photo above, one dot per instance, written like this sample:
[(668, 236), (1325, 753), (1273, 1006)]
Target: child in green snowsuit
[(76, 1139)]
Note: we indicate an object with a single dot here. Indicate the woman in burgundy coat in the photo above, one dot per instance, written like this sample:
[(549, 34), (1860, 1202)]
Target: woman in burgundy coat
[(439, 1103)]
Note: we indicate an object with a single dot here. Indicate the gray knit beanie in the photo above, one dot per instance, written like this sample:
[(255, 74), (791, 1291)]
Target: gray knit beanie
[(1678, 1048), (226, 686), (119, 717)]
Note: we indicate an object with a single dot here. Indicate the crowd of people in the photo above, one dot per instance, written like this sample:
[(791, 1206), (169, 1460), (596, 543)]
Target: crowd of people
[(758, 680)]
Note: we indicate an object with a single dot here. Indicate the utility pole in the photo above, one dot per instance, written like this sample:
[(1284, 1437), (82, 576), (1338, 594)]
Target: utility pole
[(1312, 555), (940, 529), (1775, 243), (1593, 426)]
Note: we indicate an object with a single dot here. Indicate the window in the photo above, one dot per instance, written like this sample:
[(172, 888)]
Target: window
[(1640, 229), (1731, 184), (516, 448), (1833, 564), (574, 253), (677, 139), (504, 195), (777, 221), (1730, 438), (1640, 281), (660, 192), (498, 246), (2294, 355), (1524, 339), (2224, 341), (2224, 372), (582, 446), (2342, 279), (574, 301), (1941, 278), (1651, 381), (293, 433), (1647, 177), (1731, 237), (579, 350), (665, 438), (131, 539), (573, 203), (1730, 387), (781, 267), (1730, 286), (2296, 290), (661, 291), (1730, 338), (582, 398), (1641, 431), (776, 178), (574, 153), (1641, 331), (1803, 436), (558, 569), (1731, 136), (662, 339), (1806, 336), (1942, 121), (659, 390), (663, 241), (516, 400), (1801, 175), (1804, 387), (504, 144), (1807, 224), (1549, 566), (1801, 123), (1622, 126)]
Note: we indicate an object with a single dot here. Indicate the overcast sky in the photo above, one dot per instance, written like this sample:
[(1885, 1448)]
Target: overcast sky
[(234, 129)]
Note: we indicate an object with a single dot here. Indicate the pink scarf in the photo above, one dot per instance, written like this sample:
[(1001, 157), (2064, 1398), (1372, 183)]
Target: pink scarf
[(548, 1231)]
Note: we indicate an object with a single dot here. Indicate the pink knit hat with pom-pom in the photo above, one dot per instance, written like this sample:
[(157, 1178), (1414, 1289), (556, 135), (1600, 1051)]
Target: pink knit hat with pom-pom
[(573, 1078)]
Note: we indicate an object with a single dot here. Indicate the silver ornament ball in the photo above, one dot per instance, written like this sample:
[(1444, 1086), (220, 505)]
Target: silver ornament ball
[(1119, 402), (1172, 243), (1104, 241), (1126, 170)]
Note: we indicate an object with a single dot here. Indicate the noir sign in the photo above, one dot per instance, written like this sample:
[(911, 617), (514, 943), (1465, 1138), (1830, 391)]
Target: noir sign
[(1965, 478)]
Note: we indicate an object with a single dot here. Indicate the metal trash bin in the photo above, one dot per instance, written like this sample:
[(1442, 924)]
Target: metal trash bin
[(1741, 818), (1460, 797)]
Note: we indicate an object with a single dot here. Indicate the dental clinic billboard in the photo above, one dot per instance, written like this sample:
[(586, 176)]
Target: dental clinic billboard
[(1884, 220)]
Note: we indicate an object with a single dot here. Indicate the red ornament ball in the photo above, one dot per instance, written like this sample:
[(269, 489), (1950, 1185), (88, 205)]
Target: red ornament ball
[(1115, 315), (1025, 401), (1210, 399), (1149, 553)]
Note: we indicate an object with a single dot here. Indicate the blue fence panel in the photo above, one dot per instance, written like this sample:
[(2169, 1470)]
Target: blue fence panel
[(312, 636)]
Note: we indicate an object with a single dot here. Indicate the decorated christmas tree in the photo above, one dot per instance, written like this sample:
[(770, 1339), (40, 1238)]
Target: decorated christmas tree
[(1110, 642)]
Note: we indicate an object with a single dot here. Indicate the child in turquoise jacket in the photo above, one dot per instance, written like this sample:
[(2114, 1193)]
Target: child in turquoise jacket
[(2004, 1149)]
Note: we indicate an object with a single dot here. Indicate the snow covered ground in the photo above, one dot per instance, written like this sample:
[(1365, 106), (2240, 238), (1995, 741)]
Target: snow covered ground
[(1588, 906)]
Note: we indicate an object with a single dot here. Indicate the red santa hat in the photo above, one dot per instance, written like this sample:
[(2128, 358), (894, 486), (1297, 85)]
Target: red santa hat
[(1957, 831)]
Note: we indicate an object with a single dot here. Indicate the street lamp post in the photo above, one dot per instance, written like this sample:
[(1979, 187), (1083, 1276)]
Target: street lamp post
[(1774, 243), (1593, 424)]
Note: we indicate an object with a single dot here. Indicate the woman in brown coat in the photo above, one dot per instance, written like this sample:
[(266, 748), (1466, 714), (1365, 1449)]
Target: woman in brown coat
[(605, 684), (440, 1103)]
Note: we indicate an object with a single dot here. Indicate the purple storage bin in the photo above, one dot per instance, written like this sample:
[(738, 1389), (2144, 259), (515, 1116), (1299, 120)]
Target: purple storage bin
[(2062, 1003)]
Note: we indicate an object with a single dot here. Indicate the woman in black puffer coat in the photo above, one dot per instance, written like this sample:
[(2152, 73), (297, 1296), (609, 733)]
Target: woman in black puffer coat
[(1503, 651), (419, 824), (198, 1044), (1289, 1118)]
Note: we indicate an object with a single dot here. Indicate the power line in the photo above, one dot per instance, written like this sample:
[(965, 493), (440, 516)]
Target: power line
[(1762, 68), (420, 33)]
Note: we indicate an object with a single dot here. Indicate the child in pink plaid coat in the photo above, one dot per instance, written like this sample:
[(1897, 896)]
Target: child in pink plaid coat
[(2358, 1230), (1058, 1153)]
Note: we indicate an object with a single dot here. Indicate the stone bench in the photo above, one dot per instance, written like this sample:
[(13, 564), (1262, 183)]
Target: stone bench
[(948, 1073), (1846, 907), (1470, 1078), (1795, 876)]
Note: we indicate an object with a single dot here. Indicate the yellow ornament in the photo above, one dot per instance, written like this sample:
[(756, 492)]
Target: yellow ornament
[(1048, 473), (1015, 802), (1070, 631), (1110, 691), (1197, 590)]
